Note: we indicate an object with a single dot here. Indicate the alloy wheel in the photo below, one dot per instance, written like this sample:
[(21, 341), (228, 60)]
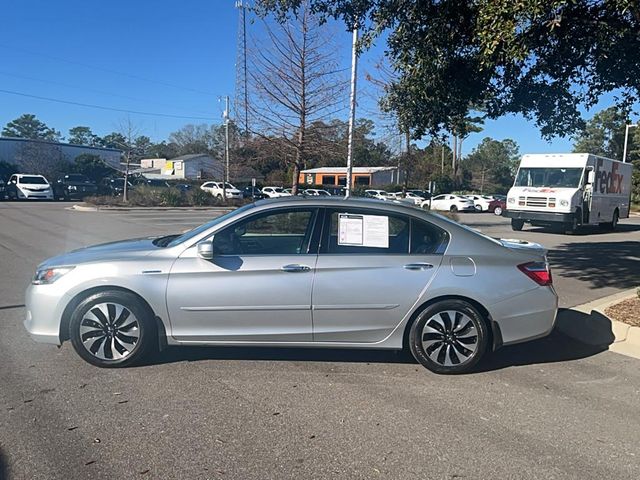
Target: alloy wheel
[(109, 331), (449, 338), (498, 211)]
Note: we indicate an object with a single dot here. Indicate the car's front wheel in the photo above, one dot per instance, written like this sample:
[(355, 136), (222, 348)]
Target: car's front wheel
[(497, 211), (449, 337), (112, 328)]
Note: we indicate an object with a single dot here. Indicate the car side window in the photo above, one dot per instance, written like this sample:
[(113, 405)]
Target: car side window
[(285, 232), (427, 239), (398, 235)]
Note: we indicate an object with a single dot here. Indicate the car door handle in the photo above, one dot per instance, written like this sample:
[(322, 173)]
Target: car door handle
[(294, 267), (418, 266)]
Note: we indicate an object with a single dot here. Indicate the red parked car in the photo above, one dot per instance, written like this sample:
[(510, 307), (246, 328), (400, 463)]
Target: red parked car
[(497, 206)]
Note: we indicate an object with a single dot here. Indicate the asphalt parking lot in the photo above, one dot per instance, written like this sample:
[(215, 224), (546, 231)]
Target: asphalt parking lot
[(552, 408)]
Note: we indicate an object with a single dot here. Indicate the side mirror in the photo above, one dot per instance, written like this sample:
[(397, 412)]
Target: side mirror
[(205, 250), (591, 176)]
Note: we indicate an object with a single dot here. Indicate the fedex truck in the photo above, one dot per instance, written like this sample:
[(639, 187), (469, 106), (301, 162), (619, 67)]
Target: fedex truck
[(569, 189)]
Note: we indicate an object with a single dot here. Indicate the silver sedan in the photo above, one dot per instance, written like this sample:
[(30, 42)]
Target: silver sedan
[(299, 272)]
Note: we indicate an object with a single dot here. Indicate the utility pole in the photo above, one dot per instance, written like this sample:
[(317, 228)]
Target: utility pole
[(242, 92), (226, 148), (626, 140), (125, 190), (352, 108)]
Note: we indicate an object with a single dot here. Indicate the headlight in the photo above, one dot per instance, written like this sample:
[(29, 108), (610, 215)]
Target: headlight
[(511, 200), (564, 203), (72, 187), (50, 275)]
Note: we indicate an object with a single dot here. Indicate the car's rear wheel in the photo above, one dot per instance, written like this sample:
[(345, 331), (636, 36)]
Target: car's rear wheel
[(453, 208), (497, 211), (614, 221), (112, 329), (449, 337)]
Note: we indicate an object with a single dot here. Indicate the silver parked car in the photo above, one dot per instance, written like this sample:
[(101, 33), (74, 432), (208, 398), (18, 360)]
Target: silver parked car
[(303, 272)]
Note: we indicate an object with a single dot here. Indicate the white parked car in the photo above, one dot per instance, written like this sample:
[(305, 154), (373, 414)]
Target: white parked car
[(409, 197), (481, 202), (27, 187), (316, 192), (275, 192), (216, 189), (451, 203), (379, 194)]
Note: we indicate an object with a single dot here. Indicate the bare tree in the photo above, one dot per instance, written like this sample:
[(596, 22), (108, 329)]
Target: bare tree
[(296, 81), (129, 132), (42, 158)]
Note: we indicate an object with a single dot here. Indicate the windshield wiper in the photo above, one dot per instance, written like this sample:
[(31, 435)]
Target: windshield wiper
[(164, 241)]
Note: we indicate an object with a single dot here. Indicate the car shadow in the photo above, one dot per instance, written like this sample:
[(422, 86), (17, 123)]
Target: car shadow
[(598, 264), (4, 469), (557, 347)]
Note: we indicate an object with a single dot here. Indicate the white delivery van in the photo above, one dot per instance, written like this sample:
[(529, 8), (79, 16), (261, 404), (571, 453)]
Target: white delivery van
[(569, 189)]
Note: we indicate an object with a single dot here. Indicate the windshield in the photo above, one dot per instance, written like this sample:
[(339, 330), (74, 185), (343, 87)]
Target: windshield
[(278, 189), (206, 226), (228, 185), (549, 177), (33, 180)]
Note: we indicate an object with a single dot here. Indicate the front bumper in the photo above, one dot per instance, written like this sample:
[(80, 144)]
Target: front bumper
[(43, 311), (546, 217), (35, 195)]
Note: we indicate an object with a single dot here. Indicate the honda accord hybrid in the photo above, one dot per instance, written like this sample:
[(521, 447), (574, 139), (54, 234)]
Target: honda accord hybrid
[(299, 272)]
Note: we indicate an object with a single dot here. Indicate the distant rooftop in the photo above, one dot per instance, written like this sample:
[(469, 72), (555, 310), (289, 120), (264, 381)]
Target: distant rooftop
[(339, 170), (49, 142), (189, 157)]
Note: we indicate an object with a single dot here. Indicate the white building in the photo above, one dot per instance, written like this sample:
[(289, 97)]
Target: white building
[(187, 167)]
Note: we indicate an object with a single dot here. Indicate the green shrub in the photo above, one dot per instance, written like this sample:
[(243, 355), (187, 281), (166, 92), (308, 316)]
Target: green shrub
[(200, 198), (171, 197)]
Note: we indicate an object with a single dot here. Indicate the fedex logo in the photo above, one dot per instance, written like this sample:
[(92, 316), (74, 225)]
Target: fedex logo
[(608, 182)]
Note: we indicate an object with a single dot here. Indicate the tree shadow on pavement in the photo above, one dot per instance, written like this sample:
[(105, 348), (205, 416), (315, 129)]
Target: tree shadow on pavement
[(599, 264), (590, 230)]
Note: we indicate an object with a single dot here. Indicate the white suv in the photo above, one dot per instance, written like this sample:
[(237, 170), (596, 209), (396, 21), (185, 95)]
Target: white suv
[(26, 187), (216, 189)]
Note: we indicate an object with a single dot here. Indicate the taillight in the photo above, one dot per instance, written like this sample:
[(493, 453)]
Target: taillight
[(539, 272)]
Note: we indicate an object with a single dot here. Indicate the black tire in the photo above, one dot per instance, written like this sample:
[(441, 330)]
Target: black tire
[(448, 339), (572, 228), (613, 225), (516, 224), (497, 211), (453, 208), (139, 313)]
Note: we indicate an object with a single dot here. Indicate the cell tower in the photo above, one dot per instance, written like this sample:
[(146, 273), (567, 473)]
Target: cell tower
[(241, 100)]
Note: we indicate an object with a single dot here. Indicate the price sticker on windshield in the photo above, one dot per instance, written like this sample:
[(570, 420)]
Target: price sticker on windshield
[(363, 230)]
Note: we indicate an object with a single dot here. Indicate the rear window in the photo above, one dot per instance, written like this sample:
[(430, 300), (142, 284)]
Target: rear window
[(32, 180), (75, 177)]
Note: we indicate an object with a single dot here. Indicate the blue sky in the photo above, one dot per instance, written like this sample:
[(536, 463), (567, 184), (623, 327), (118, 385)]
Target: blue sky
[(170, 58)]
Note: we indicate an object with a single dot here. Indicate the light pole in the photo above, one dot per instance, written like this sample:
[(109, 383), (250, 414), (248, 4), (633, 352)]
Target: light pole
[(626, 140), (352, 107)]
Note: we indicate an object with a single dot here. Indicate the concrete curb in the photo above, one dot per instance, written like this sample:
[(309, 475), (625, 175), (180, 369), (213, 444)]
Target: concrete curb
[(86, 208), (588, 324)]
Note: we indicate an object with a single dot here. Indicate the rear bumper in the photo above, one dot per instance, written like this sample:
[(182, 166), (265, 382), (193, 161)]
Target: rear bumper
[(548, 217), (527, 316)]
